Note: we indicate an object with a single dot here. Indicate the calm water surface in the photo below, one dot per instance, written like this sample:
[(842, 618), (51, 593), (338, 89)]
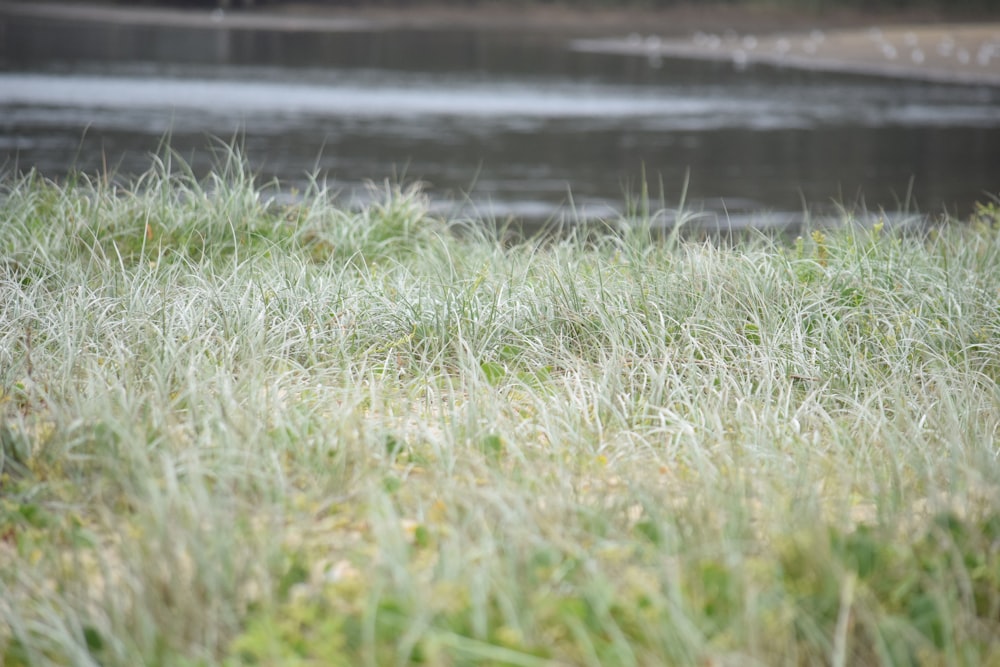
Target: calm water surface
[(494, 123)]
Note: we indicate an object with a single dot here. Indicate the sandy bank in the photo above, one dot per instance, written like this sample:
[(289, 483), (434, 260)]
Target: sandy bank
[(303, 16), (910, 45), (949, 53)]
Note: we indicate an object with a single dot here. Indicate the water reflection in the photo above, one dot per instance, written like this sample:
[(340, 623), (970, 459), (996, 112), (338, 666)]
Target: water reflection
[(516, 124)]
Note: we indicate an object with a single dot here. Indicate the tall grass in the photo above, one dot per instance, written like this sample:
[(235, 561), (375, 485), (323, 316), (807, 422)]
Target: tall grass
[(241, 433)]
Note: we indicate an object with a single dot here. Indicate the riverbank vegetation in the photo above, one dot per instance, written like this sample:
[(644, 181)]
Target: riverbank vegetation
[(240, 433)]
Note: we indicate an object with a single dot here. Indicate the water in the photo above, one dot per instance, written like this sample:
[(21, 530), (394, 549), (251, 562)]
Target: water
[(495, 124)]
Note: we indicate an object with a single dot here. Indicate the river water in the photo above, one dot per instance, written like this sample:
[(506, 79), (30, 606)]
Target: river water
[(496, 124)]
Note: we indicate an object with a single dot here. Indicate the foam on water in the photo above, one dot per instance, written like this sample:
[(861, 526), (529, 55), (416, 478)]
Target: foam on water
[(121, 98)]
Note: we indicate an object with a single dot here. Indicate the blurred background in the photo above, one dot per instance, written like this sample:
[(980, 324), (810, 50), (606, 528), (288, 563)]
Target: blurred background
[(501, 116)]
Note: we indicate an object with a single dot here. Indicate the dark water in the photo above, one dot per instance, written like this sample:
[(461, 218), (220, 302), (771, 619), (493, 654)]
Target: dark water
[(500, 123)]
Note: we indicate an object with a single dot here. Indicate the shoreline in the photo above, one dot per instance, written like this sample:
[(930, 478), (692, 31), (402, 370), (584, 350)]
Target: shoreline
[(679, 20), (960, 54), (911, 45)]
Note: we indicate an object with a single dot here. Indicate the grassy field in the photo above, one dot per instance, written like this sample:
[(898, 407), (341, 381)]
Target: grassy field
[(239, 433)]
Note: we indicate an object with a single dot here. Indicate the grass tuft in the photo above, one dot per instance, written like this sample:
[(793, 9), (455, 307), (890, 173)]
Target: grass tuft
[(237, 432)]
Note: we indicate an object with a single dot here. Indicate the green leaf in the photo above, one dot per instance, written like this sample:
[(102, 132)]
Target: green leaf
[(95, 643), (492, 446), (493, 372)]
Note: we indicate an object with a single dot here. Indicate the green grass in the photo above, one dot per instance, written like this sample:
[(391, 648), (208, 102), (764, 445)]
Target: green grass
[(236, 433)]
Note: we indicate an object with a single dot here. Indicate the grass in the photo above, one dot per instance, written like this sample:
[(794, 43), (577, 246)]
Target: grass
[(235, 433)]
